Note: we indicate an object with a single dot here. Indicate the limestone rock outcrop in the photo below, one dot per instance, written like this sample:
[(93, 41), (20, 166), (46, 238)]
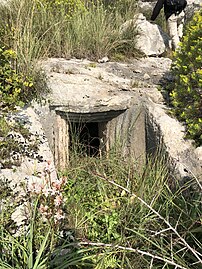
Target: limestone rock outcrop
[(134, 84), (32, 166), (150, 39), (124, 100)]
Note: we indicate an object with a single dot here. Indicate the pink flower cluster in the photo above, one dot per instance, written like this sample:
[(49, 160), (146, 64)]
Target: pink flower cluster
[(49, 191)]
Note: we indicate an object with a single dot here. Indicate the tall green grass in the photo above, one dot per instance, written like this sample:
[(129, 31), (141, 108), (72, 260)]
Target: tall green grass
[(37, 241), (134, 219), (118, 216), (36, 31)]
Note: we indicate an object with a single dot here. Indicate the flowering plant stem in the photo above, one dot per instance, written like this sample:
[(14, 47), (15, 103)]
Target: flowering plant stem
[(38, 261)]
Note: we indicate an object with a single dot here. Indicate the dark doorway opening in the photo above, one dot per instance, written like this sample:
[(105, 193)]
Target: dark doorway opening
[(85, 138)]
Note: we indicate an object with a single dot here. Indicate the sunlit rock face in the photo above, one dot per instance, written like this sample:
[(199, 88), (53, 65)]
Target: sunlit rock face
[(150, 40)]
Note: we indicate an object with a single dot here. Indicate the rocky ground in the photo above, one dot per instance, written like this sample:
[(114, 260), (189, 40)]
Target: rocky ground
[(145, 72)]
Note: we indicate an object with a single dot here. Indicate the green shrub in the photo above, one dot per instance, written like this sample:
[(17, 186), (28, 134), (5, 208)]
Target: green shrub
[(16, 89), (12, 84), (187, 93), (67, 7)]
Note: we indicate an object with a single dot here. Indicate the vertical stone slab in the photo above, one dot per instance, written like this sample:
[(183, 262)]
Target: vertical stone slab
[(126, 133), (61, 142), (137, 135), (47, 116), (102, 137)]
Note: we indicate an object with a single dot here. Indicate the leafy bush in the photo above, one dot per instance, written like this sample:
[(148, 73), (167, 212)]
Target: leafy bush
[(187, 93), (13, 86), (65, 7), (16, 89)]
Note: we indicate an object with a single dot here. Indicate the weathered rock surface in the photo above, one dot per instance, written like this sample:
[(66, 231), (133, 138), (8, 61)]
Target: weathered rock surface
[(167, 133), (32, 167), (80, 87), (151, 40), (123, 98), (192, 6), (116, 86)]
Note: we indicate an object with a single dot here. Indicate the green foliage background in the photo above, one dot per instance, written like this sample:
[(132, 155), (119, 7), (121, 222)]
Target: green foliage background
[(16, 90), (14, 86), (67, 7), (187, 70)]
